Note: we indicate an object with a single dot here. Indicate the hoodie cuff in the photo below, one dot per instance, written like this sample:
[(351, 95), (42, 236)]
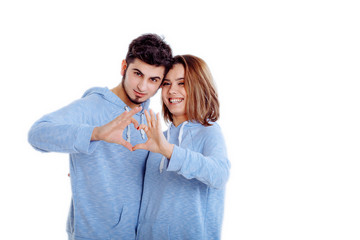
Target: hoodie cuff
[(83, 143), (177, 159)]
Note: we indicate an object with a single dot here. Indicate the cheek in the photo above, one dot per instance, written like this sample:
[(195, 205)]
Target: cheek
[(163, 93), (152, 89), (129, 82), (183, 92)]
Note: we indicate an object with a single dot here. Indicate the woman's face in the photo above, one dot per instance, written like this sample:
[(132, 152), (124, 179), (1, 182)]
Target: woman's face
[(173, 92)]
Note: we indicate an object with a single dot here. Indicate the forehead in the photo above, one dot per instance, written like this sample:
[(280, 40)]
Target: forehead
[(147, 69), (176, 72)]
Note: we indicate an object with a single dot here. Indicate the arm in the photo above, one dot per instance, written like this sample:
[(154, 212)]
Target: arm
[(70, 130), (211, 166), (47, 135), (65, 130)]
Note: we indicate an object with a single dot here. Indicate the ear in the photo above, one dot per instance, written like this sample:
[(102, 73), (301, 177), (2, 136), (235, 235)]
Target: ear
[(123, 67)]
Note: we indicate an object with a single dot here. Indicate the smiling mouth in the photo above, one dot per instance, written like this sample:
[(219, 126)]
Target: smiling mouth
[(176, 100)]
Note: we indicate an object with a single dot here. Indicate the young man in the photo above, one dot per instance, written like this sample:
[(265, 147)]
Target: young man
[(98, 131)]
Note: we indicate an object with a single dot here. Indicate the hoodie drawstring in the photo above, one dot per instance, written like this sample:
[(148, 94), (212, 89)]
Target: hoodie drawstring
[(161, 167), (181, 132), (128, 127), (142, 122), (168, 138)]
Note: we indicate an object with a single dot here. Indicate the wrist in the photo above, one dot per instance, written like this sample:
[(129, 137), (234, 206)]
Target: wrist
[(95, 134), (168, 150)]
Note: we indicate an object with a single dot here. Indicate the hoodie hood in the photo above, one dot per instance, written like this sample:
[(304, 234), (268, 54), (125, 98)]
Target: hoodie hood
[(108, 95)]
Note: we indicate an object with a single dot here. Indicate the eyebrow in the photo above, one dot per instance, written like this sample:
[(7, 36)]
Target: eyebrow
[(155, 77), (178, 79)]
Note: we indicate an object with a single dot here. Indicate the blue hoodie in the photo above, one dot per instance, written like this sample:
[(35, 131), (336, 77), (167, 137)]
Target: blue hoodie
[(106, 178), (183, 198)]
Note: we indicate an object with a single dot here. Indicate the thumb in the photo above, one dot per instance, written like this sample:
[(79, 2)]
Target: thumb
[(140, 146), (126, 144), (143, 127), (133, 121)]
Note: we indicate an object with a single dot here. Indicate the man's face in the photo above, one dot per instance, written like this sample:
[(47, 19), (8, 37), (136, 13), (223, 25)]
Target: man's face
[(141, 80)]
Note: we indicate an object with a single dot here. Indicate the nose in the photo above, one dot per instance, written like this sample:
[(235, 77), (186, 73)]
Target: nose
[(142, 85), (173, 89)]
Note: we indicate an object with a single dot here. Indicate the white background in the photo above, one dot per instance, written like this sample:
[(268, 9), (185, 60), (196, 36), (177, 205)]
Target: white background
[(288, 77)]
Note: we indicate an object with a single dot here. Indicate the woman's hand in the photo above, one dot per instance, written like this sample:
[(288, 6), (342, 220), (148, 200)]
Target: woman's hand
[(156, 142)]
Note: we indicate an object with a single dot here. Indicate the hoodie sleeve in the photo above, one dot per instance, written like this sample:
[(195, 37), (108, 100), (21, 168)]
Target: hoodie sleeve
[(66, 130), (211, 166)]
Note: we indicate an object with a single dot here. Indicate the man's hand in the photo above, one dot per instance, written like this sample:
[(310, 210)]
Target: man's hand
[(112, 132)]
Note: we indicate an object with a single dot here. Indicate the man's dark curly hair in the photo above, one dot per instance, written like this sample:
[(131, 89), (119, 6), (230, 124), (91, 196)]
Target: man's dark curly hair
[(152, 49)]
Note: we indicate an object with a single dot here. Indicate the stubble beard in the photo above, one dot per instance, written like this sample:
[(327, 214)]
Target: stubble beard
[(135, 101)]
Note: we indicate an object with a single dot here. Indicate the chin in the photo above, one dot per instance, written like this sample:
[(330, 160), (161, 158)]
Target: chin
[(177, 113), (137, 100)]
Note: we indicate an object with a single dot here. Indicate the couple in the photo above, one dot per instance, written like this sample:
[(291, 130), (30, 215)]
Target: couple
[(130, 180)]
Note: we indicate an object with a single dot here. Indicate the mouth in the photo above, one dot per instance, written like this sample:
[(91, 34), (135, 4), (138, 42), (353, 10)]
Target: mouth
[(176, 100), (138, 94)]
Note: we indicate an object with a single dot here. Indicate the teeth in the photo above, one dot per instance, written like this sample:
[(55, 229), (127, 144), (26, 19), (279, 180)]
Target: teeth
[(175, 100)]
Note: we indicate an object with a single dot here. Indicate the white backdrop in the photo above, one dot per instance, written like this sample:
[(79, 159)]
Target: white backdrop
[(288, 76)]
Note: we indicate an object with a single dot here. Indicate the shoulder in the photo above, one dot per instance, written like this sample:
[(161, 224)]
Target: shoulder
[(92, 103), (206, 136), (212, 132), (97, 97), (95, 93)]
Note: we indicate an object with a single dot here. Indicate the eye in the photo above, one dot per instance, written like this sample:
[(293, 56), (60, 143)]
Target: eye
[(139, 74), (181, 83), (154, 80), (166, 84)]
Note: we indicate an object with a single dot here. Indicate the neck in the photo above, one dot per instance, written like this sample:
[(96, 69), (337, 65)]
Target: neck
[(120, 92), (179, 120)]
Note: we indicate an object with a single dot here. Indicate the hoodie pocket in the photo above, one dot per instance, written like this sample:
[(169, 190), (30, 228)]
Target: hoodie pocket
[(153, 231), (118, 220), (124, 227)]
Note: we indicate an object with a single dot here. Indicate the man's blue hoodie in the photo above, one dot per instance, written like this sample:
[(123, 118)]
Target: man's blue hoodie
[(106, 178)]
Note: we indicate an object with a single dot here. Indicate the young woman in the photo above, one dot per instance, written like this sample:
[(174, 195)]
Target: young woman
[(187, 168)]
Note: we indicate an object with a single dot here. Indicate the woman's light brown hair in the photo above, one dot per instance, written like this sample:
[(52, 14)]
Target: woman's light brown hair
[(202, 103)]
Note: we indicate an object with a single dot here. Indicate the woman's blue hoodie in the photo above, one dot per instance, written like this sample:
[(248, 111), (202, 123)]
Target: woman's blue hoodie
[(183, 198), (106, 178)]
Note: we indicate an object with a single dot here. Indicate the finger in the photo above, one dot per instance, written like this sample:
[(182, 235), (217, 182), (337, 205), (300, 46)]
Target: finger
[(144, 127), (126, 144), (139, 146), (153, 119), (133, 121), (134, 111), (123, 116), (158, 120), (148, 119)]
